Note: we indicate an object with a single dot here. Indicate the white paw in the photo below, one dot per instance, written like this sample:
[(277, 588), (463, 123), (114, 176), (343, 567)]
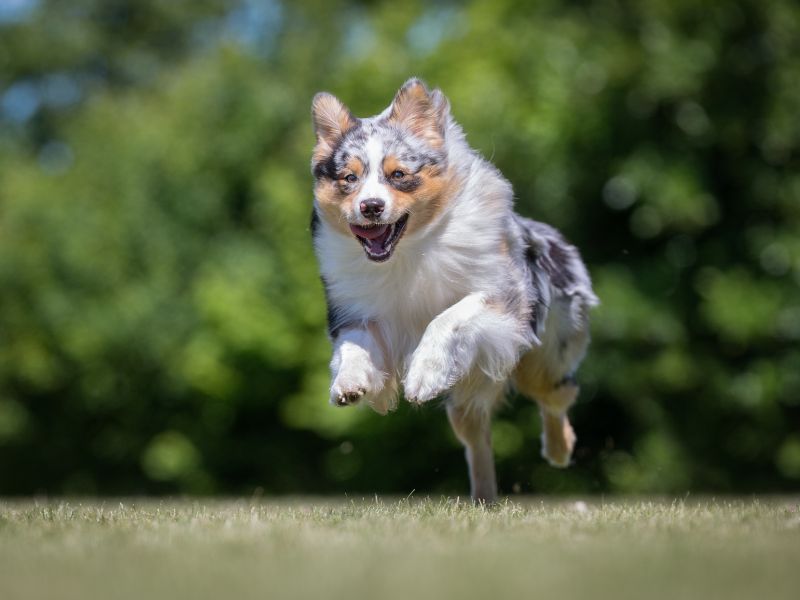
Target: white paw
[(352, 385), (427, 377)]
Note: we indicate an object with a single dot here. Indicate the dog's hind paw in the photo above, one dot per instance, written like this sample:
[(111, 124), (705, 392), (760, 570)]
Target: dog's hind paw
[(558, 440)]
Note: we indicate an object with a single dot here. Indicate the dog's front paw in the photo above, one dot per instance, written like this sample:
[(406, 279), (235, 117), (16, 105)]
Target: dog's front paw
[(427, 377), (351, 386), (346, 397)]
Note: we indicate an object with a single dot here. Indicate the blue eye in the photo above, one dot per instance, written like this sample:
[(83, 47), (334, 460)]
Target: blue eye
[(350, 178), (398, 174)]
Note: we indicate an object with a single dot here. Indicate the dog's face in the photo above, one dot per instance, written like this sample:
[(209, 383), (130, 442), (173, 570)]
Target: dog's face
[(379, 178)]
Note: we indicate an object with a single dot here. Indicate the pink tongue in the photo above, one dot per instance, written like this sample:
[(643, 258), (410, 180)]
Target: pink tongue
[(369, 233)]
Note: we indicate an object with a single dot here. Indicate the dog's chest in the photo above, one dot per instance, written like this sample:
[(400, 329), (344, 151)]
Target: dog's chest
[(403, 296), (412, 295), (424, 278)]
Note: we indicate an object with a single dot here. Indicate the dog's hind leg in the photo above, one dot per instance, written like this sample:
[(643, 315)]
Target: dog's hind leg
[(554, 399), (469, 410), (558, 438), (545, 374)]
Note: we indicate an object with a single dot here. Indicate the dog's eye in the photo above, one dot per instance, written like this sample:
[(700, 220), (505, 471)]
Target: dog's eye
[(350, 178), (398, 174)]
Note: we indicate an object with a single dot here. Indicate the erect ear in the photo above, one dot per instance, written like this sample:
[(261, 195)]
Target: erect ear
[(423, 112), (331, 120)]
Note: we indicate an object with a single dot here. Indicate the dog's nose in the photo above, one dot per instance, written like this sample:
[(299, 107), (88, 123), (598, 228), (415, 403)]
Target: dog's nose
[(372, 207)]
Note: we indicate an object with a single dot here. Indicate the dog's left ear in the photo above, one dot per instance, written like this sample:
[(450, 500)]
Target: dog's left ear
[(423, 112), (331, 120)]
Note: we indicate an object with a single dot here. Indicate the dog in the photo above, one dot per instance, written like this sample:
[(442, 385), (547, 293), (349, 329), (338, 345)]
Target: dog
[(433, 282)]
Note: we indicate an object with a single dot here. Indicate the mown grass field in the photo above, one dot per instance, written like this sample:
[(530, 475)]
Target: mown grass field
[(387, 549)]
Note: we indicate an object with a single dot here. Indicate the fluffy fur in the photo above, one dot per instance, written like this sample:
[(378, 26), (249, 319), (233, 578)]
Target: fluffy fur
[(433, 283)]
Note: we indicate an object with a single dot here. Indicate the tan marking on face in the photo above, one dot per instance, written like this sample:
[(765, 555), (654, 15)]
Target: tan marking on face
[(355, 166), (435, 190), (390, 165), (335, 197), (334, 203)]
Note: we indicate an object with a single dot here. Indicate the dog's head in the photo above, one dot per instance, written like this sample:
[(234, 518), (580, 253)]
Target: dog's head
[(379, 178)]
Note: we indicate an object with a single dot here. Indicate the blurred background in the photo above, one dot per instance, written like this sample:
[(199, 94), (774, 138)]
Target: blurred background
[(162, 325)]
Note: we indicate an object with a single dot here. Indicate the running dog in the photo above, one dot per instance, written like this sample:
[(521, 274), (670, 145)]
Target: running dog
[(434, 283)]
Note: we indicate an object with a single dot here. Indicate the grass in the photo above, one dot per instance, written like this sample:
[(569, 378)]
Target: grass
[(300, 548)]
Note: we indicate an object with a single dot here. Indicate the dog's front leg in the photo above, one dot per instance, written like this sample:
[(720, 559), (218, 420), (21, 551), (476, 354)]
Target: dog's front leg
[(474, 332), (358, 368)]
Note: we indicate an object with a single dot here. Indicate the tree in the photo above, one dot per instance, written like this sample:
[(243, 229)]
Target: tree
[(161, 319)]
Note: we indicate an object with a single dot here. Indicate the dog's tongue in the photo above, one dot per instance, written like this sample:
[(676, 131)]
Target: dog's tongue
[(369, 233), (375, 237)]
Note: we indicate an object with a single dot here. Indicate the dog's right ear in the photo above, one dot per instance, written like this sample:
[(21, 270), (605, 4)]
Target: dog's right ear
[(331, 120)]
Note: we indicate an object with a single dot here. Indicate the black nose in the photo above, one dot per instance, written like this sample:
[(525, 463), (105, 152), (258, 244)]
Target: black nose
[(372, 208)]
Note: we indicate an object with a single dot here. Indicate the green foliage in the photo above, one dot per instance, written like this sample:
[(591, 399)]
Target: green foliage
[(161, 319)]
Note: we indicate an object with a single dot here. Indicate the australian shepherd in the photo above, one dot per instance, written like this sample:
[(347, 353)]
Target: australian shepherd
[(434, 284)]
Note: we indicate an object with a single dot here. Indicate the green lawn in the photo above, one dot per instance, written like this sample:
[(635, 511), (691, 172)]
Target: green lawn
[(622, 548)]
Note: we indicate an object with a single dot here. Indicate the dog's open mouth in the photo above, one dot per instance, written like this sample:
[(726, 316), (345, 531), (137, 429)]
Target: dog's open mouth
[(380, 239)]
